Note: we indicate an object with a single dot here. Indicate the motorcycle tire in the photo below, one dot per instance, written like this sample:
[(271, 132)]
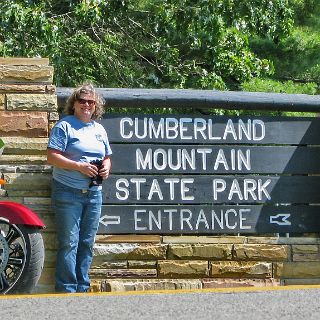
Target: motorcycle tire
[(21, 258)]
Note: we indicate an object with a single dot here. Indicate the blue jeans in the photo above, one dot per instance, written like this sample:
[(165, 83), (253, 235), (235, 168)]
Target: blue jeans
[(77, 214)]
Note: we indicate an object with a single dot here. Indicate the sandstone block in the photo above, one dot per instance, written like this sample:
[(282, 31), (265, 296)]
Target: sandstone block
[(38, 102), (7, 168), (299, 240), (23, 124), (50, 88), (95, 286), (299, 282), (122, 273), (300, 248), (182, 269), (200, 251), (26, 74), (2, 101), (27, 193), (12, 168), (27, 181), (24, 88), (50, 241), (308, 269), (234, 283), (38, 202), (50, 258), (23, 145), (13, 199), (131, 238), (24, 61), (262, 240), (142, 264), (203, 239), (306, 257), (149, 284), (240, 269), (53, 116), (47, 276), (261, 252), (44, 288), (129, 251), (109, 265), (17, 160)]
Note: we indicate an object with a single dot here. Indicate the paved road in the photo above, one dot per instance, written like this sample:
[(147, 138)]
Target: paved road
[(241, 303)]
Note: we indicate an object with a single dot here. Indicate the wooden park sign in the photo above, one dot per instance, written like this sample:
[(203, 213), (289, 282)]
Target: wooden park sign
[(212, 175)]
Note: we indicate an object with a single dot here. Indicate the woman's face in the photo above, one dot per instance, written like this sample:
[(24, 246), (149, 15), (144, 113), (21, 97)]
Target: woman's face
[(85, 106)]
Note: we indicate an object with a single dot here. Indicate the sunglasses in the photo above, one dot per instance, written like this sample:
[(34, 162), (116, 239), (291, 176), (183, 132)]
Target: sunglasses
[(84, 101)]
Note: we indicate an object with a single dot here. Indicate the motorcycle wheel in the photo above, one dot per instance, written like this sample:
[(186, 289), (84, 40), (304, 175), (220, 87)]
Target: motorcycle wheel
[(21, 258)]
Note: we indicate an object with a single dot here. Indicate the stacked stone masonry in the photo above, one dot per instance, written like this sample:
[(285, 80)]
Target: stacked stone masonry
[(28, 109)]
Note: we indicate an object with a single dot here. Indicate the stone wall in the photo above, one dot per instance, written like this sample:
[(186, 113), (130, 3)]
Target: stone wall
[(28, 109)]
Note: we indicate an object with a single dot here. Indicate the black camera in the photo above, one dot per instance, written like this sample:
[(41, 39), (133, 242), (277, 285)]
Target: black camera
[(97, 180)]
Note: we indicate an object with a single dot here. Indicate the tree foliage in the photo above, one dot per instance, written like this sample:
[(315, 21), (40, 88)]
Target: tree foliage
[(149, 43)]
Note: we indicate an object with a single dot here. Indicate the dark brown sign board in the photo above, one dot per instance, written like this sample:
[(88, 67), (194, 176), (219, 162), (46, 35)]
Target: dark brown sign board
[(211, 174)]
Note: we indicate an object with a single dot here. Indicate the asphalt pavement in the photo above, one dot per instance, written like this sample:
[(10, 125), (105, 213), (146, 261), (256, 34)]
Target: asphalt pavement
[(298, 302)]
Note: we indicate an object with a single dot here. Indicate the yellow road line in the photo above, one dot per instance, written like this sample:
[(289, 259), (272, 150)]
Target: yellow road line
[(150, 292)]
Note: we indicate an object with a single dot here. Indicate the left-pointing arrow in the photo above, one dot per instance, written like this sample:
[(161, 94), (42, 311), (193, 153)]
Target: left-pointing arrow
[(105, 220)]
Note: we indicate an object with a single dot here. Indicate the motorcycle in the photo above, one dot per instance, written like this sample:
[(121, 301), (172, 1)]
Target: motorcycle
[(21, 248)]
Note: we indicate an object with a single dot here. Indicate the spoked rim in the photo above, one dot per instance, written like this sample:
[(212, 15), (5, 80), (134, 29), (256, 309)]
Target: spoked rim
[(13, 255)]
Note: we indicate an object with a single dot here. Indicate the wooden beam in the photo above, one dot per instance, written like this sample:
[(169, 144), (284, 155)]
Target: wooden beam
[(202, 99)]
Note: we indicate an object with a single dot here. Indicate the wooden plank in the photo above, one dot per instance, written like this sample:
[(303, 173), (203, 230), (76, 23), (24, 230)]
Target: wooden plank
[(173, 159), (192, 129), (210, 219), (24, 61), (197, 189), (202, 99)]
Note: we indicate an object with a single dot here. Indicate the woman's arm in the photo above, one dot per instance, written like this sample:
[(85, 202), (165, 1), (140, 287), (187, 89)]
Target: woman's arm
[(58, 159)]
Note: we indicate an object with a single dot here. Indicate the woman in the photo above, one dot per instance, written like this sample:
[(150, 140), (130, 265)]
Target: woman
[(75, 142)]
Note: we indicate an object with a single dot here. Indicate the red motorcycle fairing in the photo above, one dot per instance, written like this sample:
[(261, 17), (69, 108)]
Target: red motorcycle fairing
[(17, 213)]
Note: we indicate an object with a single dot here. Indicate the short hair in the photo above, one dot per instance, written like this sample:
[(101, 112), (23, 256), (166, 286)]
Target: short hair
[(86, 88)]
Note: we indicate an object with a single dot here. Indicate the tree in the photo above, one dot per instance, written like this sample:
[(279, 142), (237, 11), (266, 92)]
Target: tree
[(150, 43)]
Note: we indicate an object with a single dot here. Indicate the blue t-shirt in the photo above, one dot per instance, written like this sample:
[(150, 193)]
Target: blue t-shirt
[(79, 141)]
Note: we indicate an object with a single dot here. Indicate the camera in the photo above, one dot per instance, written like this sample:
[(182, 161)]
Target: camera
[(97, 180)]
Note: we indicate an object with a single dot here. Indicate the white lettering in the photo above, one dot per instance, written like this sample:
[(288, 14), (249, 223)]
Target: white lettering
[(124, 189), (137, 182), (255, 124), (230, 130), (122, 129), (219, 185), (136, 220), (143, 163), (155, 189), (185, 189), (185, 219), (221, 159)]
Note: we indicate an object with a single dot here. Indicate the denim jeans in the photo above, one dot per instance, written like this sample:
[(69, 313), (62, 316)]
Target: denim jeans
[(77, 214)]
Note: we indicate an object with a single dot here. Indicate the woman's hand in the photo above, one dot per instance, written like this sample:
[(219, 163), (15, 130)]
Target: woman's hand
[(88, 169), (105, 169)]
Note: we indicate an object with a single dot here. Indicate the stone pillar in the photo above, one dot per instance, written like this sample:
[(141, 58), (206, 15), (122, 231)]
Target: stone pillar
[(28, 108)]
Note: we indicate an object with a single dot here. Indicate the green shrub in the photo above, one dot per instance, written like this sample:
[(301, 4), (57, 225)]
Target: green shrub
[(267, 85)]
